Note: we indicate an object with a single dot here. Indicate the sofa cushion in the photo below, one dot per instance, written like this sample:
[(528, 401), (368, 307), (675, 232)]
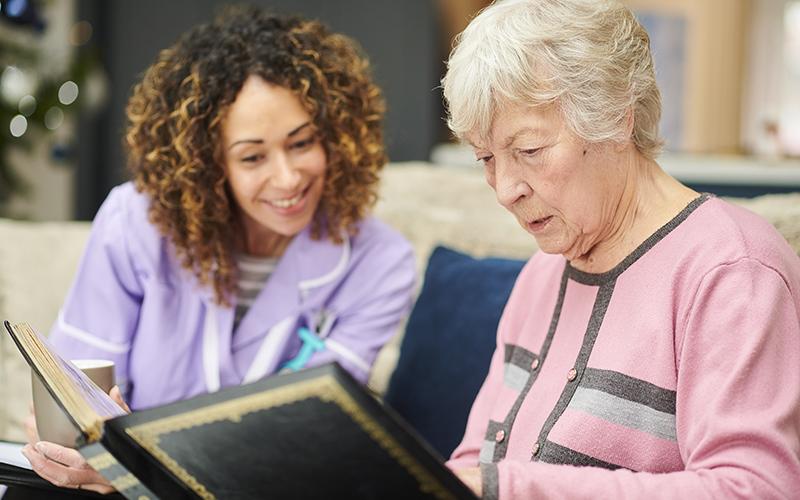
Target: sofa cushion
[(37, 262), (448, 343)]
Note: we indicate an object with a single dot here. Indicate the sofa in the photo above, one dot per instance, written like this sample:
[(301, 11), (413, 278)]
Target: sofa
[(469, 251)]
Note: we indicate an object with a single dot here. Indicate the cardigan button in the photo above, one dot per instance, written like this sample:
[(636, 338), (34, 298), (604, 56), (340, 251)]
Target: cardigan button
[(535, 449), (571, 374), (500, 436), (535, 363)]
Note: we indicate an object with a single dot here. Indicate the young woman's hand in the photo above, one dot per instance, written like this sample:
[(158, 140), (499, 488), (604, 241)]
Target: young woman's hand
[(63, 466), (116, 395)]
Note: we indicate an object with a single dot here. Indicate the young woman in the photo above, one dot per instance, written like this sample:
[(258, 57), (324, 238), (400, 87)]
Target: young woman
[(255, 144)]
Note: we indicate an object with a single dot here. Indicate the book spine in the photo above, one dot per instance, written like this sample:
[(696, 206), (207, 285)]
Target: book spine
[(147, 468), (120, 478)]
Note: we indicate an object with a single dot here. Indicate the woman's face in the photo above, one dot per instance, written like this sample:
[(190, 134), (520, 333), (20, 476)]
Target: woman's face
[(274, 160), (561, 190)]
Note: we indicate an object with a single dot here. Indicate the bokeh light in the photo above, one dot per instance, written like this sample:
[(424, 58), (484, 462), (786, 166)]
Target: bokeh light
[(14, 84), (53, 118), (18, 125), (27, 105), (68, 92), (80, 33)]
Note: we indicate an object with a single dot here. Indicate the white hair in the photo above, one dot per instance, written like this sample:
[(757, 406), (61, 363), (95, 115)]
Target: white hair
[(589, 57)]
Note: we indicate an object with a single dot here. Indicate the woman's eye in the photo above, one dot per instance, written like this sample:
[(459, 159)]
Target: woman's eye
[(529, 152), (252, 158), (304, 144), (485, 159)]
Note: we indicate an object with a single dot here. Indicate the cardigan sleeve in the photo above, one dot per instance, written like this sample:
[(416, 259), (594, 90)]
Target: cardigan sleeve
[(738, 403)]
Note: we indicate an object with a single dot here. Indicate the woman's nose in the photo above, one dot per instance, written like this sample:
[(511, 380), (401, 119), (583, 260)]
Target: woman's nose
[(509, 184), (284, 174)]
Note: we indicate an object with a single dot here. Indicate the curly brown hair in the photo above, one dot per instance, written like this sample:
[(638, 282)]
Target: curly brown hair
[(174, 132)]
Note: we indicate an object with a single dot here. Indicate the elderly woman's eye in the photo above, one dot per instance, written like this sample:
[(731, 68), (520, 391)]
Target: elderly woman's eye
[(485, 159), (529, 152)]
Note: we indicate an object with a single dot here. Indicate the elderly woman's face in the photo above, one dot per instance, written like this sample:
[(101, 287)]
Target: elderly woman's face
[(274, 160), (560, 189)]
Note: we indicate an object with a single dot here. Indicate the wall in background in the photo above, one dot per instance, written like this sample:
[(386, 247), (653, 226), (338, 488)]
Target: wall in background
[(401, 39), (715, 32)]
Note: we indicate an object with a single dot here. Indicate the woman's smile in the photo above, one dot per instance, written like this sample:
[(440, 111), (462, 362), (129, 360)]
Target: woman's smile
[(290, 205)]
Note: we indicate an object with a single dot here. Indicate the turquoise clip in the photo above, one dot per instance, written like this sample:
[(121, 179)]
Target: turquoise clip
[(311, 344)]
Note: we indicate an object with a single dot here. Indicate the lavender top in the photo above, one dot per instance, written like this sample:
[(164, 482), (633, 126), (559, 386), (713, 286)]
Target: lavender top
[(133, 303)]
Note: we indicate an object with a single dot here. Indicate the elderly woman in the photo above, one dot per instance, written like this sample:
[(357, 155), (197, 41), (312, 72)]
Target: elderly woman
[(651, 349), (255, 145)]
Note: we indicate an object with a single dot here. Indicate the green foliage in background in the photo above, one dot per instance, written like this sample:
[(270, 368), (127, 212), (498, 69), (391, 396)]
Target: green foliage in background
[(46, 95)]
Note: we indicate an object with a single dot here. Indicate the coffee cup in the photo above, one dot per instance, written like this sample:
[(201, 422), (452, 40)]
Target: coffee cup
[(52, 422)]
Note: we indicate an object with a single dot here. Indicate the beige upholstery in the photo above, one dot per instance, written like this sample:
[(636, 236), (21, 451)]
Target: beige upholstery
[(37, 262), (429, 204)]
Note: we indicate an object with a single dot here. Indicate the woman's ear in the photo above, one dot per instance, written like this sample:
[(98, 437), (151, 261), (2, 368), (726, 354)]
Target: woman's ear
[(627, 135), (629, 118)]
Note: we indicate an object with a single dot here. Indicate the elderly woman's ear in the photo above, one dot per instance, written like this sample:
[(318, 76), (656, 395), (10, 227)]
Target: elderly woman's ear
[(629, 123)]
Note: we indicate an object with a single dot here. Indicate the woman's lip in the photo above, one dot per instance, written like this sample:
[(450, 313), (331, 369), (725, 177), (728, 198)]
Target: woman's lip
[(299, 193), (297, 207), (538, 225)]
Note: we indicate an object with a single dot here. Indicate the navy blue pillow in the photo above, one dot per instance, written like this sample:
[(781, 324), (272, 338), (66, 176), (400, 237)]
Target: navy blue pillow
[(448, 343)]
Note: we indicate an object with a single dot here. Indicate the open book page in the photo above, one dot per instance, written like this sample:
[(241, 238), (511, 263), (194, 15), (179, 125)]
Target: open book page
[(85, 403), (10, 453)]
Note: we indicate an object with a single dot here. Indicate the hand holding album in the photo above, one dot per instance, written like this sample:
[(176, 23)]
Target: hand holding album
[(86, 404), (64, 466)]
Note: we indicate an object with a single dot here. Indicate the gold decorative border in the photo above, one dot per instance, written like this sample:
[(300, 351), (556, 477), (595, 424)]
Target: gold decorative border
[(105, 460), (325, 388), (102, 461)]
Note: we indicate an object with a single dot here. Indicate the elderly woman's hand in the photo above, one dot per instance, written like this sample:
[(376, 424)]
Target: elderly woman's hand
[(471, 477), (63, 466)]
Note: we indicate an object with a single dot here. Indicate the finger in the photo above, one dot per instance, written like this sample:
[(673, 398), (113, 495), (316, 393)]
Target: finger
[(103, 489), (54, 472), (472, 478), (61, 454), (62, 475), (116, 395), (27, 450)]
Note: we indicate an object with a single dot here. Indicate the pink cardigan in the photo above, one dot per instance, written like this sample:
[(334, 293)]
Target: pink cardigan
[(674, 375)]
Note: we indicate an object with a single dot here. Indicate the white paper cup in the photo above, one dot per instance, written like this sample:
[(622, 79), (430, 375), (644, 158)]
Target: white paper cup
[(52, 423)]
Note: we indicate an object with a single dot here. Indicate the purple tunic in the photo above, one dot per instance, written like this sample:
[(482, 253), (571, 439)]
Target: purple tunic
[(133, 303)]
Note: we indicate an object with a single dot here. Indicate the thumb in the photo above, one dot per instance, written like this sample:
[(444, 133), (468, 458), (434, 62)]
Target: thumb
[(116, 395)]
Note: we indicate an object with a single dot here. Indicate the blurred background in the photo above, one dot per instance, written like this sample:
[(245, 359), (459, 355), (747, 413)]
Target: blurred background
[(729, 71)]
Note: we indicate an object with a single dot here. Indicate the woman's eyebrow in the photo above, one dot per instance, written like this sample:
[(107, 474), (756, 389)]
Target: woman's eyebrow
[(298, 129), (293, 132), (524, 132), (246, 141)]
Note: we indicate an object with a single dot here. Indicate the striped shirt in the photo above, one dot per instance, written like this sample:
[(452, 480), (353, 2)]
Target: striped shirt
[(253, 275), (673, 375)]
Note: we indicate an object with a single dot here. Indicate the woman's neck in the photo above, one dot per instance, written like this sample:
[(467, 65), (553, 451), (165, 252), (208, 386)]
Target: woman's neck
[(259, 241), (650, 198)]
